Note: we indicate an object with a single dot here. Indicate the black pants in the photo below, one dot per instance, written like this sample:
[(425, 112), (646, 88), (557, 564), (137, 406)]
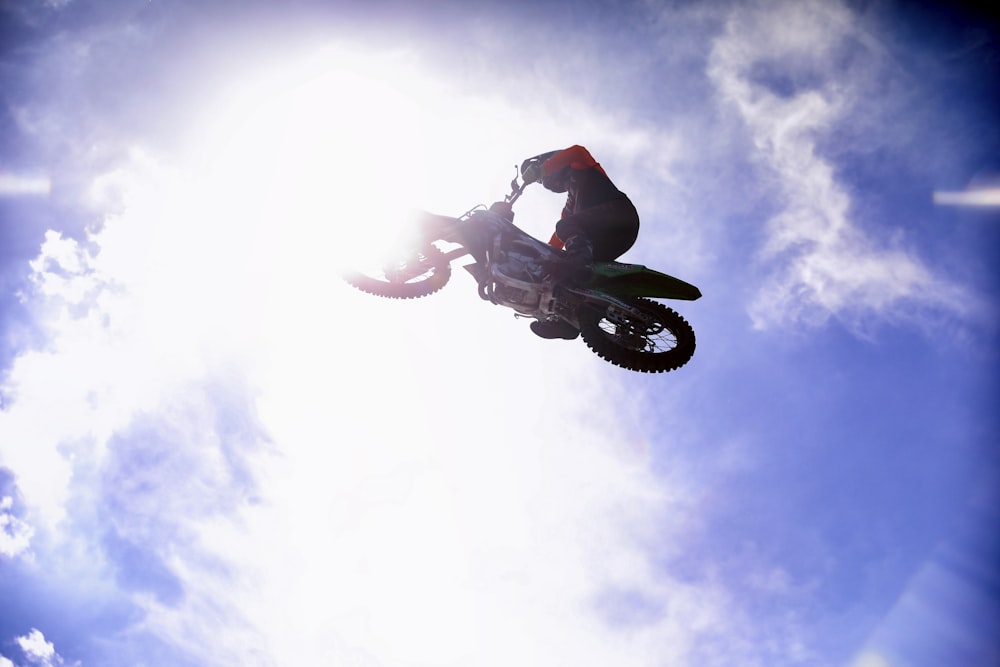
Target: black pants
[(611, 228)]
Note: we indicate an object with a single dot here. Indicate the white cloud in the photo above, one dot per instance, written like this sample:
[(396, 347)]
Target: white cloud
[(36, 648), (15, 534), (37, 651), (781, 66)]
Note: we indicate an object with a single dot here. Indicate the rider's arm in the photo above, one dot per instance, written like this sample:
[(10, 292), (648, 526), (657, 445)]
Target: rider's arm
[(555, 241), (574, 157)]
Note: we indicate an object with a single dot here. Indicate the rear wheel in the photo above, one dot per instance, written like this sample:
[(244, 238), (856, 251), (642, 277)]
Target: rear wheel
[(650, 339), (418, 273)]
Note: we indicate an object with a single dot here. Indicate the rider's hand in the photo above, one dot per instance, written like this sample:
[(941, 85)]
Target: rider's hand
[(531, 172)]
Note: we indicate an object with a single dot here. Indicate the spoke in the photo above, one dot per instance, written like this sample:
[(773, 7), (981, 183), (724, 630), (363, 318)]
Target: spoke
[(657, 339), (414, 270)]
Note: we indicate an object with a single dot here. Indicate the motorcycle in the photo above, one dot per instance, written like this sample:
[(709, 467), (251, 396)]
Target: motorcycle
[(612, 306)]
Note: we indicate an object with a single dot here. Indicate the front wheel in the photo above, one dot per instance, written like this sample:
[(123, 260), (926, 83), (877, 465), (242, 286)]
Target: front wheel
[(418, 273), (651, 338)]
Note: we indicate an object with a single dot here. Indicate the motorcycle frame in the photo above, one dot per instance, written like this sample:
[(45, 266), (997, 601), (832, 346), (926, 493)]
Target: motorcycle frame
[(545, 300)]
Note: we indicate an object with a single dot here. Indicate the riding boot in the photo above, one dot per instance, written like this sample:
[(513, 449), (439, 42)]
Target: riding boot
[(558, 329)]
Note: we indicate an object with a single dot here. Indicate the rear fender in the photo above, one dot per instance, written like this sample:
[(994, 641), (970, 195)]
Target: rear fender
[(623, 279)]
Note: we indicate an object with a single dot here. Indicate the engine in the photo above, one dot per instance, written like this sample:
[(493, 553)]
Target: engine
[(518, 281)]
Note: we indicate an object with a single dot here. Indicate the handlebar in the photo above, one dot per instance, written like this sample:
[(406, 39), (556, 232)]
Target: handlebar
[(515, 188)]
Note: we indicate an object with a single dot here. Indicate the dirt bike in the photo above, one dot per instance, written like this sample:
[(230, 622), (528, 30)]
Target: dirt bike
[(612, 307)]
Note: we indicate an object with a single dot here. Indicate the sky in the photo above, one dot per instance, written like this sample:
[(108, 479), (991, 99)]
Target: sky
[(214, 452)]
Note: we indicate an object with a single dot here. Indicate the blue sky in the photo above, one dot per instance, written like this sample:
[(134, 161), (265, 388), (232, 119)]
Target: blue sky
[(213, 452)]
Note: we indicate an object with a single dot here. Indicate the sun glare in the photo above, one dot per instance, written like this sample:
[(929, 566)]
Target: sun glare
[(302, 166), (314, 150), (228, 256), (20, 184), (335, 147), (971, 197)]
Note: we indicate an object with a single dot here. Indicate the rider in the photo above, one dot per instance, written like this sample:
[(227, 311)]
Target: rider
[(598, 221)]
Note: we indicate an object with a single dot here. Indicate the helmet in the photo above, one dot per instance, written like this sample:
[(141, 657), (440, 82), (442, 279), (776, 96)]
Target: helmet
[(556, 182), (532, 165)]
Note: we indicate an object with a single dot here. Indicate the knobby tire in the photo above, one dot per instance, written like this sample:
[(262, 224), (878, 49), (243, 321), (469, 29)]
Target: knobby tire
[(420, 274), (662, 341)]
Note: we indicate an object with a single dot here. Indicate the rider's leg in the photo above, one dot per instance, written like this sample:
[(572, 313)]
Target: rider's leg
[(579, 257), (602, 233), (611, 228)]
